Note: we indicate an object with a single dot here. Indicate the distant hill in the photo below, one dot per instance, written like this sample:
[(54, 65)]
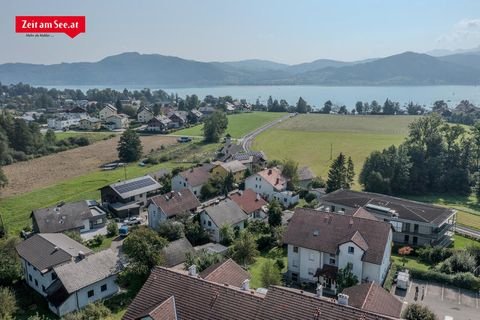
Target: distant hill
[(408, 68)]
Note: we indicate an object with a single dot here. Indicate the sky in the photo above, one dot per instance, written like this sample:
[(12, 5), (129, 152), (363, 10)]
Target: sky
[(285, 31)]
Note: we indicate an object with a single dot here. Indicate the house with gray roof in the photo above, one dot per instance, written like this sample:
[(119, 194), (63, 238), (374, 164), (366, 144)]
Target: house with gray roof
[(414, 223), (176, 252), (42, 252), (128, 197), (220, 213), (74, 216), (83, 281)]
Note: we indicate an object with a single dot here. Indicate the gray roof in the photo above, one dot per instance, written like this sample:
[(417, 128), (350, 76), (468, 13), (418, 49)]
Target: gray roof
[(91, 269), (175, 252), (212, 248), (46, 250), (133, 187), (304, 173), (225, 212), (65, 217)]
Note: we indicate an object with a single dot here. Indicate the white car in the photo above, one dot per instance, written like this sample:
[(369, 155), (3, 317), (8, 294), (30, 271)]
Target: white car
[(133, 221)]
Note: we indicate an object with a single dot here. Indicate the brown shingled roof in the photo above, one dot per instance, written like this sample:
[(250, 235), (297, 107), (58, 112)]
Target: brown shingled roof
[(199, 299), (324, 232), (164, 311), (226, 272), (175, 203), (371, 297), (198, 175), (248, 200)]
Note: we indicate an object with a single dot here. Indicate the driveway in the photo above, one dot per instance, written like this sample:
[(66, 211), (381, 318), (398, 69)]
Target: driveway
[(443, 300)]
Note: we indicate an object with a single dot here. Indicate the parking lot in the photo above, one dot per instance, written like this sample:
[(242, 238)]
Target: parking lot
[(443, 300)]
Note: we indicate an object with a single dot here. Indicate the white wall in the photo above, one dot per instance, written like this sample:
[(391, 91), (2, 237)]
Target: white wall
[(105, 113), (371, 272), (212, 229), (179, 183), (355, 259), (155, 216), (144, 116), (259, 185), (44, 280)]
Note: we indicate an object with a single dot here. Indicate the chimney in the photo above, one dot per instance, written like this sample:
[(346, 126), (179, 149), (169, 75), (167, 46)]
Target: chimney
[(192, 270), (81, 255), (343, 299), (246, 285), (319, 291), (269, 171), (351, 222)]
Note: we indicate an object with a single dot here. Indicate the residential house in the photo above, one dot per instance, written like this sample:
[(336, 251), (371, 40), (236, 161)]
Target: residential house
[(414, 223), (107, 111), (271, 184), (144, 114), (42, 252), (90, 124), (305, 177), (80, 216), (159, 174), (212, 247), (83, 281), (251, 203), (158, 124), (77, 109), (222, 169), (117, 121), (65, 121), (178, 119), (128, 197), (192, 179), (320, 243), (251, 159), (219, 213), (174, 294), (196, 116), (226, 272), (175, 253), (171, 205), (371, 297), (207, 110)]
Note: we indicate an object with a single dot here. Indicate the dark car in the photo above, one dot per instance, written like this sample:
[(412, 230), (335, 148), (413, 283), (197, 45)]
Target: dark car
[(184, 139)]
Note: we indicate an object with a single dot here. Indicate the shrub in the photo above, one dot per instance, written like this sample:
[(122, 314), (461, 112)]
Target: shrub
[(416, 311), (93, 311), (171, 230), (8, 303), (280, 264), (96, 241), (433, 255), (309, 197), (460, 261), (75, 235), (112, 229), (462, 280), (265, 242)]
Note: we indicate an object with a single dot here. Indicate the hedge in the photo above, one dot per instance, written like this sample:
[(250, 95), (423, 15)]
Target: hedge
[(464, 280)]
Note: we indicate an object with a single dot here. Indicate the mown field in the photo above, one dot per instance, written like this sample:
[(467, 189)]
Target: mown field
[(92, 136), (308, 139), (238, 124)]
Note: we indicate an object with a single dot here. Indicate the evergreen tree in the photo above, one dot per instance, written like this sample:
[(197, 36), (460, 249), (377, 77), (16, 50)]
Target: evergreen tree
[(119, 106), (327, 107), (350, 173), (129, 147), (337, 176), (269, 103), (359, 107), (244, 248), (274, 214), (50, 138), (301, 106)]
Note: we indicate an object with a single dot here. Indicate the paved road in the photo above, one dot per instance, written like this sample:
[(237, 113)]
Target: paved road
[(248, 139), (467, 231)]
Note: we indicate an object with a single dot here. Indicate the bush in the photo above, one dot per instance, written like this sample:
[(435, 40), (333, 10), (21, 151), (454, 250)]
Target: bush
[(265, 242), (75, 235), (96, 241), (309, 197), (460, 261), (112, 229), (8, 303), (462, 280), (416, 311), (280, 264), (171, 230), (433, 255), (93, 311)]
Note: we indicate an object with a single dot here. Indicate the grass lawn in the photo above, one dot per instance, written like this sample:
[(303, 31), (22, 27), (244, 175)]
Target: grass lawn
[(238, 124), (308, 138), (412, 263), (255, 268), (92, 136), (461, 242)]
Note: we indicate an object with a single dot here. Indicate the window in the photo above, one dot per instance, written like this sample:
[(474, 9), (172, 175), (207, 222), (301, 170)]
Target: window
[(295, 249), (351, 250), (284, 199), (294, 277), (332, 261), (311, 257), (415, 240), (36, 283), (90, 293), (184, 184), (103, 287), (415, 227), (311, 271), (209, 223), (54, 276), (406, 238), (204, 222), (30, 277), (43, 288), (333, 208)]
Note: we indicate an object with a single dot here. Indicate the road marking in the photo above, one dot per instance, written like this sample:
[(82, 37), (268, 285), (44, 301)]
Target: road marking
[(410, 286), (459, 296), (426, 290), (443, 289)]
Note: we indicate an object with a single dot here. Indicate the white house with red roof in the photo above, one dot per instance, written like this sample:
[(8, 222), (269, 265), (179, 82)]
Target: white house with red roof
[(271, 184)]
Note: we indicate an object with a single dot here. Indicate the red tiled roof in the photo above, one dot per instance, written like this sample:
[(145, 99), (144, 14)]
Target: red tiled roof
[(164, 311), (174, 203), (248, 200), (323, 231), (362, 213), (226, 272), (371, 297), (199, 299), (274, 177)]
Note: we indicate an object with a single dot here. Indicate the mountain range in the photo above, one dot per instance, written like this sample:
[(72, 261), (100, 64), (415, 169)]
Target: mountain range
[(408, 68)]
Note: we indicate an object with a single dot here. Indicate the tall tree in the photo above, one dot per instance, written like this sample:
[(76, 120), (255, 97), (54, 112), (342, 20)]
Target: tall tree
[(359, 107), (129, 147), (8, 303), (270, 274), (302, 106), (350, 173), (337, 176), (214, 126), (244, 248), (290, 171), (144, 249), (415, 311), (327, 107), (346, 278), (274, 214)]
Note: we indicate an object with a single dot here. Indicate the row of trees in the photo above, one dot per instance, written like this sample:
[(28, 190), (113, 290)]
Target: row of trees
[(436, 157)]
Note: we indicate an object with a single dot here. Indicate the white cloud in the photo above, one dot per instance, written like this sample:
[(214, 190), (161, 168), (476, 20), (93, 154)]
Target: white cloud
[(464, 34)]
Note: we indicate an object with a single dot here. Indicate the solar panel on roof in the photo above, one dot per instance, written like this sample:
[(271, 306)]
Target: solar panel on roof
[(134, 185)]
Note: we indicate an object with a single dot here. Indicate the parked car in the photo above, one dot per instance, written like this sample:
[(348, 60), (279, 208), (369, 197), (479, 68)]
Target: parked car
[(132, 221), (184, 139)]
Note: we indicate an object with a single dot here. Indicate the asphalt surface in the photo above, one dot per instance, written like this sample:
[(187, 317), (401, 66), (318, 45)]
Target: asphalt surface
[(467, 231)]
